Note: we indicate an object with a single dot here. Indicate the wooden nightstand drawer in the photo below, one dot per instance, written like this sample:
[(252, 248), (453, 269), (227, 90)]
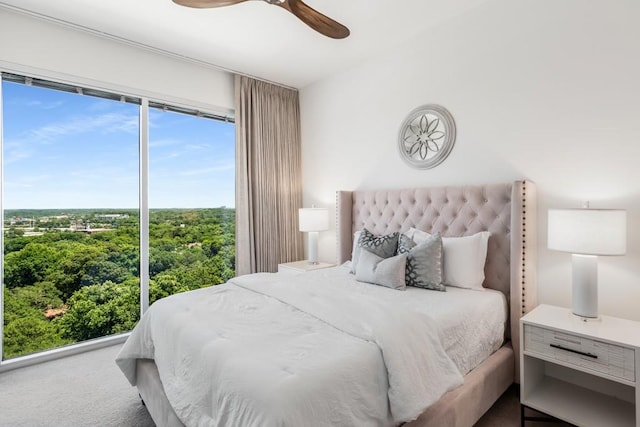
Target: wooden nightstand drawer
[(588, 353)]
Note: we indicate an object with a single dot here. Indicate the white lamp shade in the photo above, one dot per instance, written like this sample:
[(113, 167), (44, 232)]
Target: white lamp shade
[(588, 231), (313, 219)]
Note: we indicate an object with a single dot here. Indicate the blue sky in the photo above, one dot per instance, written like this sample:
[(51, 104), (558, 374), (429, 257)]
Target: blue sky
[(63, 150)]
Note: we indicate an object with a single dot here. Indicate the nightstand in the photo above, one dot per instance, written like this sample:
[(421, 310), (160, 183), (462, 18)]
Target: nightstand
[(583, 372), (298, 267)]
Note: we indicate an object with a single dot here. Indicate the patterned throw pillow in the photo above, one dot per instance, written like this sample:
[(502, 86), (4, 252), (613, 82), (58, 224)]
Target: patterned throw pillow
[(424, 262), (383, 246)]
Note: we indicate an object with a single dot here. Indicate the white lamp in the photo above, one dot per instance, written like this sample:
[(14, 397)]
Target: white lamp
[(587, 233), (313, 220)]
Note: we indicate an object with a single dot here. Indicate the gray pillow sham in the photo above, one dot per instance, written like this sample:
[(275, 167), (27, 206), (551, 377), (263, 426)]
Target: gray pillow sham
[(389, 272)]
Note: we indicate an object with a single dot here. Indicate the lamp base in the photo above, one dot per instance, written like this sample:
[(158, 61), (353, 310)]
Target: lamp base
[(583, 319), (585, 286), (313, 247)]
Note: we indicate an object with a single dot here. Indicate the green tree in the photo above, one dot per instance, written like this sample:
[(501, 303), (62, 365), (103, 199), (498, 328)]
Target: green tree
[(41, 296), (103, 270), (164, 285), (161, 260), (29, 265), (76, 259), (101, 310), (28, 334), (26, 329)]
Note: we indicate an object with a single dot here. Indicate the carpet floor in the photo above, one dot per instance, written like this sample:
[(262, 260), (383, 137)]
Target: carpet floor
[(89, 390), (81, 390)]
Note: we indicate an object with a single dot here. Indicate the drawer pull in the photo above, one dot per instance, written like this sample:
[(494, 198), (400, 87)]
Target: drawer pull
[(593, 356)]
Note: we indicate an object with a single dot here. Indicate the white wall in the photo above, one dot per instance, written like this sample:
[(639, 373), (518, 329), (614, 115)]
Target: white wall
[(543, 90), (55, 51)]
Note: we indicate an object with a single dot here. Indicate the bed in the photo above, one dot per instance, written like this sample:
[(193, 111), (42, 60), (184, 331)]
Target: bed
[(375, 370)]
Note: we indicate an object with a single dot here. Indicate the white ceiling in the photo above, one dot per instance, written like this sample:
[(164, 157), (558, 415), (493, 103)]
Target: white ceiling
[(256, 38)]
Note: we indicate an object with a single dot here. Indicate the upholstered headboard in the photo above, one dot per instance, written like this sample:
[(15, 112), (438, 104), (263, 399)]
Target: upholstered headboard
[(508, 211)]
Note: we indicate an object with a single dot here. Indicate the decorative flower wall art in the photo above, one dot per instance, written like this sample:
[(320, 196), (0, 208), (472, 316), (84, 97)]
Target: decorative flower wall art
[(427, 136)]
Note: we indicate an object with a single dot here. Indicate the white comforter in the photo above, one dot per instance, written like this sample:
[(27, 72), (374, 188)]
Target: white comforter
[(273, 350)]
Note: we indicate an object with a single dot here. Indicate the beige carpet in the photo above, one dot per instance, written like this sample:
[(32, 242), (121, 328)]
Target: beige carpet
[(82, 390), (89, 390)]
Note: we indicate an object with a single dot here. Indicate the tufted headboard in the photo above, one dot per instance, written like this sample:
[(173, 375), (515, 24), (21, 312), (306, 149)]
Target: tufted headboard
[(508, 211)]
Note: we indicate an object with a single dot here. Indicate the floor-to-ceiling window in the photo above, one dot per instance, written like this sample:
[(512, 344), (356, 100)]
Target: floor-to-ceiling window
[(77, 169), (191, 199)]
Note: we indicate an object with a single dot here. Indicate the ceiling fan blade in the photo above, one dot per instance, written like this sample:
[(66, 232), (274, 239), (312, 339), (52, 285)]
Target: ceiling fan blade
[(201, 4), (316, 20)]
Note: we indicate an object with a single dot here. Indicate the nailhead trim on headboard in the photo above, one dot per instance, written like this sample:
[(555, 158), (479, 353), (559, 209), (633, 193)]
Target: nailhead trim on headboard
[(524, 241)]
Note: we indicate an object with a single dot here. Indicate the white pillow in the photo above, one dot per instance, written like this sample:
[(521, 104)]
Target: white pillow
[(463, 257), (418, 236)]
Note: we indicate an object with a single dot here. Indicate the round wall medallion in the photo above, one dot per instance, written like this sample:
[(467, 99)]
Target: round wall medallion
[(427, 136)]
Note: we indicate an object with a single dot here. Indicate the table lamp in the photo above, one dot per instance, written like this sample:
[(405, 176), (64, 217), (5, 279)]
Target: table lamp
[(586, 234), (312, 220)]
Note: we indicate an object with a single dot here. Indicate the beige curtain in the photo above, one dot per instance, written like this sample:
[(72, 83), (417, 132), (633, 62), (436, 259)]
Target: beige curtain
[(268, 176)]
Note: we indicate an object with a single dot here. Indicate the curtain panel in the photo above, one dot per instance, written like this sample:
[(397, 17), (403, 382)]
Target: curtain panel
[(268, 176)]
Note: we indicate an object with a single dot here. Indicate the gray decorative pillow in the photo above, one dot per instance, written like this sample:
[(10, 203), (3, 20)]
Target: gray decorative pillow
[(383, 246), (387, 272), (424, 262), (405, 244)]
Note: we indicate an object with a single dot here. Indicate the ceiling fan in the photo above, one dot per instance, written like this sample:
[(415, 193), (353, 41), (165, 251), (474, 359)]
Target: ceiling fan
[(316, 20)]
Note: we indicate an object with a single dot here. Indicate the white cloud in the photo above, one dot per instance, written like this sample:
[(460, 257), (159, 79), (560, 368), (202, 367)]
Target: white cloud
[(182, 150), (34, 103), (163, 143), (15, 152), (105, 174), (27, 181), (206, 171), (104, 123), (45, 105), (157, 174)]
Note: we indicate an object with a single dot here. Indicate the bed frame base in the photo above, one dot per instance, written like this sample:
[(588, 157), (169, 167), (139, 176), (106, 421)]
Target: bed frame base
[(461, 407), (153, 395), (465, 405)]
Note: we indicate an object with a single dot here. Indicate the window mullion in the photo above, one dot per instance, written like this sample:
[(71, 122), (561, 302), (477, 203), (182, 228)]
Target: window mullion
[(2, 230), (144, 205)]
